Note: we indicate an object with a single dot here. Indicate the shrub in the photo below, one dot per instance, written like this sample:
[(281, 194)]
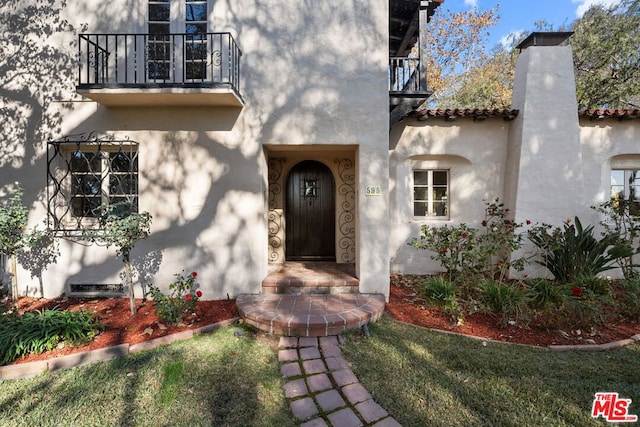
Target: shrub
[(621, 219), (455, 247), (441, 293), (467, 250), (182, 298), (545, 292), (504, 298), (573, 252), (39, 331), (593, 284), (629, 297), (499, 239)]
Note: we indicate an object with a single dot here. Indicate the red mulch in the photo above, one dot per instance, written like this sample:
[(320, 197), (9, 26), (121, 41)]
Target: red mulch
[(120, 326), (404, 305)]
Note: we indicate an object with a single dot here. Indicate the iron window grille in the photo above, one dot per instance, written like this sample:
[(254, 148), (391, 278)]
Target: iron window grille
[(84, 175)]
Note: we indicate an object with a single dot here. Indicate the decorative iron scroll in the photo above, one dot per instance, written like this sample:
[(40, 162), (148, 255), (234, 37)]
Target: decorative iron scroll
[(274, 217), (275, 241), (346, 218), (275, 184), (216, 58), (85, 173)]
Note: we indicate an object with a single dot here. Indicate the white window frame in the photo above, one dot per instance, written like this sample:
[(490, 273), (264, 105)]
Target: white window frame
[(177, 24), (626, 185), (431, 200)]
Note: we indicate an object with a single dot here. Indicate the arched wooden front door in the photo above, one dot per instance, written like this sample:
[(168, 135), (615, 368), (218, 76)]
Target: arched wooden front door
[(310, 213)]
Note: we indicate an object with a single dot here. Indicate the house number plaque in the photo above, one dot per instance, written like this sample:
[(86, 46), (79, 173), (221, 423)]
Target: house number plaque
[(373, 190)]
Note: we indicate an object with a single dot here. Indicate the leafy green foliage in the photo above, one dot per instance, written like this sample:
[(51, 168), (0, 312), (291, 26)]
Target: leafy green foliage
[(621, 219), (468, 250), (455, 247), (606, 55), (572, 252), (123, 227), (441, 293), (545, 292), (182, 298), (629, 299), (505, 298), (39, 331), (13, 223)]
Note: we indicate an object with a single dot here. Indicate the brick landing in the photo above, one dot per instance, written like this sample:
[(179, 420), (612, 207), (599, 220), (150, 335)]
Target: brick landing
[(310, 277), (310, 315)]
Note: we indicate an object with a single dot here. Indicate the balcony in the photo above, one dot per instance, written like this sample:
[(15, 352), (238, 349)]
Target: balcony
[(135, 70), (404, 80)]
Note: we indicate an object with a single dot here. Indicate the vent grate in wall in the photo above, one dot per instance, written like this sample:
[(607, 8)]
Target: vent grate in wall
[(97, 289)]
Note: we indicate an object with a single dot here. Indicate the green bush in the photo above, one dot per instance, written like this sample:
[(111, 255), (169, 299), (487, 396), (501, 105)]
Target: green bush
[(595, 285), (545, 292), (573, 253), (182, 298), (629, 298), (39, 331), (442, 293), (505, 298)]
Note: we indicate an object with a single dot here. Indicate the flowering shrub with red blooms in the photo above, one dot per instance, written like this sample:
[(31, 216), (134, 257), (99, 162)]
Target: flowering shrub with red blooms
[(468, 250), (453, 247), (182, 298), (576, 291)]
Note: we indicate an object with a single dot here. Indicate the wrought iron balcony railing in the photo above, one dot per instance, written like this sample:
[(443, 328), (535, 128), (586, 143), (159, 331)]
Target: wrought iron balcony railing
[(207, 60)]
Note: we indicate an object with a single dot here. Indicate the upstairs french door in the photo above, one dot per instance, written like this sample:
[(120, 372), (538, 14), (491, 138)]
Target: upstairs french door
[(174, 58)]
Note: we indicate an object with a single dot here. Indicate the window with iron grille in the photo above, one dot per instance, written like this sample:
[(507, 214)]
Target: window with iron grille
[(86, 175)]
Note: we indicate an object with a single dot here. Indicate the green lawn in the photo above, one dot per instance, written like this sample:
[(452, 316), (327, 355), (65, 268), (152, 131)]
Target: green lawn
[(211, 380), (429, 378), (421, 377)]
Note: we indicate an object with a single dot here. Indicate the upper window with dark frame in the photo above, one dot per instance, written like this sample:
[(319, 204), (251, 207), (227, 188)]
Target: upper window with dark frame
[(431, 193)]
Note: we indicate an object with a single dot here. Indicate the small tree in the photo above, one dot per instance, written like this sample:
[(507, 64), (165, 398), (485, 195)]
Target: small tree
[(121, 226), (13, 223)]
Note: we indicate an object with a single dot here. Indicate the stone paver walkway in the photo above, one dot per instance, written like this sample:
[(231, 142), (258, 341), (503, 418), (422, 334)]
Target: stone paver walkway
[(321, 388)]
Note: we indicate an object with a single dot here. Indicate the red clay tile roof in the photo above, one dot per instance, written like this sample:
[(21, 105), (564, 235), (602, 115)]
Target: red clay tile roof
[(601, 114), (475, 113)]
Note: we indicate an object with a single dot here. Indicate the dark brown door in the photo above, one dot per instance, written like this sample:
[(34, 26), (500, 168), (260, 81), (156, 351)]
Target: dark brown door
[(310, 215)]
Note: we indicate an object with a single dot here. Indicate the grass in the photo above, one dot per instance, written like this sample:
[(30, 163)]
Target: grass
[(428, 378), (219, 379), (420, 377)]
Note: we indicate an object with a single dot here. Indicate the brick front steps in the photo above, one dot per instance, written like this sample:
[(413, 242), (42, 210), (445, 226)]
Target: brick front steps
[(311, 277), (310, 315)]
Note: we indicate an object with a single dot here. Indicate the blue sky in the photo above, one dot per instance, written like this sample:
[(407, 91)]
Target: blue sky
[(521, 15)]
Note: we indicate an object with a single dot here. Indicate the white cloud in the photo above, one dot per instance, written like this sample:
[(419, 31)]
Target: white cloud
[(472, 3), (507, 39), (583, 5)]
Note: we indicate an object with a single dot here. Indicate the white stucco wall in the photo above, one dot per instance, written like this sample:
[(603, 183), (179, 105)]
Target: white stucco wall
[(475, 155), (311, 74)]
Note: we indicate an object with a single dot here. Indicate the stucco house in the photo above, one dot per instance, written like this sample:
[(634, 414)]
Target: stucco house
[(261, 133)]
